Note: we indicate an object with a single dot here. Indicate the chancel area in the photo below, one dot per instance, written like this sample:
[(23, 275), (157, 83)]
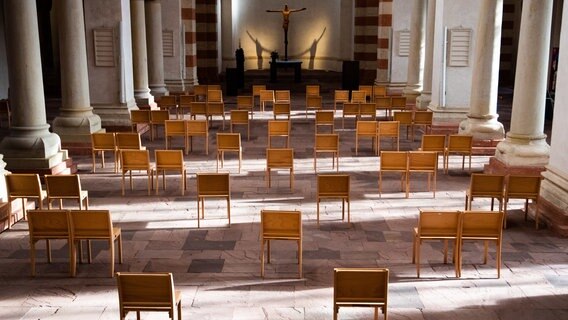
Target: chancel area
[(247, 159)]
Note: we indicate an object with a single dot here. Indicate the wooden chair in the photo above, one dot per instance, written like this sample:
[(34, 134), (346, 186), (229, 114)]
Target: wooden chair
[(266, 96), (312, 90), (256, 88), (280, 225), (170, 160), (483, 226), (384, 104), (388, 129), (325, 119), (327, 143), (24, 186), (437, 225), (281, 109), (136, 160), (313, 102), (175, 128), (405, 119), (198, 109), (423, 162), (460, 145), (349, 109), (141, 292), (5, 112), (522, 187), (48, 225), (213, 87), (282, 96), (128, 141), (368, 92), (157, 118), (336, 186), (365, 129), (185, 102), (212, 185), (340, 96), (214, 95), (228, 142), (422, 119), (216, 109), (280, 159), (279, 128), (240, 118), (393, 161), (197, 128), (360, 287), (485, 186), (367, 110), (94, 225), (200, 92), (139, 117), (65, 187), (436, 143), (168, 103), (379, 91), (398, 103), (101, 142), (246, 103), (358, 96)]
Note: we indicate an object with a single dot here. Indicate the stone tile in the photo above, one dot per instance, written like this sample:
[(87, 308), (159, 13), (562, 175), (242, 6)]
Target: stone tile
[(206, 266), (208, 245)]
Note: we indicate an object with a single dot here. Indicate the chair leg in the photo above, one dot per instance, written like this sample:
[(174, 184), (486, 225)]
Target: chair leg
[(268, 250), (111, 249), (262, 258)]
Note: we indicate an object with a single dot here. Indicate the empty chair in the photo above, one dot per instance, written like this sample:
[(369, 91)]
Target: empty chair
[(422, 119), (313, 102), (312, 90), (460, 145), (48, 225), (246, 103), (128, 141), (185, 102), (405, 119), (198, 109), (360, 287), (61, 187), (157, 118), (423, 162), (101, 142), (175, 128), (240, 118), (340, 96), (437, 225), (349, 109), (256, 88), (200, 92), (281, 109), (213, 87), (485, 186), (384, 104), (358, 96), (94, 225), (212, 185), (325, 119), (214, 95), (197, 128), (525, 188), (136, 160), (280, 159), (367, 110), (266, 96), (142, 292), (280, 225), (278, 128), (379, 91), (483, 226), (368, 92), (216, 109), (168, 103), (365, 129), (170, 160), (393, 161), (434, 142), (336, 186), (139, 117), (24, 186), (228, 142), (398, 103), (327, 143), (388, 129), (282, 96)]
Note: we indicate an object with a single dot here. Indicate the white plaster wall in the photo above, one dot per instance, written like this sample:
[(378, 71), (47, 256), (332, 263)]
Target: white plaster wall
[(126, 66), (314, 35), (171, 20), (4, 82), (401, 16)]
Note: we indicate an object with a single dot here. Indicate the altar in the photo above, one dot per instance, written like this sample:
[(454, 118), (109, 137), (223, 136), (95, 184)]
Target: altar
[(285, 64)]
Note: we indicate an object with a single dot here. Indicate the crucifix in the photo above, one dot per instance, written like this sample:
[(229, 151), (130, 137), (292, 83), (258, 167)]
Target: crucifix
[(286, 20)]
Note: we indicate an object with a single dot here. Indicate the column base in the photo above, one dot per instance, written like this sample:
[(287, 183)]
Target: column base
[(76, 129), (483, 129), (496, 166), (553, 202), (158, 90), (144, 100), (411, 93), (423, 101), (448, 115), (523, 151), (115, 117), (175, 85)]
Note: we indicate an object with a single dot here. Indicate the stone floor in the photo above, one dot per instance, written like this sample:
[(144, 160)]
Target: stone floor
[(217, 267)]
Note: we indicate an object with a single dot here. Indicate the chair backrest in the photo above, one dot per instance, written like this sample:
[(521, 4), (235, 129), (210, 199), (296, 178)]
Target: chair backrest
[(213, 184), (367, 89), (63, 185), (93, 224), (398, 103), (244, 102), (214, 87), (379, 91), (327, 142), (147, 291), (139, 116), (135, 159), (422, 161), (351, 108), (214, 95), (281, 108), (433, 142), (198, 108), (437, 224), (366, 128), (278, 127), (167, 102), (186, 100), (341, 96), (126, 140), (393, 161), (200, 90), (360, 285), (48, 224), (196, 127), (159, 116), (486, 184), (281, 224), (313, 102), (482, 224), (282, 95), (228, 141), (215, 107), (175, 128), (523, 186), (358, 96), (281, 157), (423, 117), (388, 128), (169, 159), (23, 185), (266, 95), (312, 90), (366, 109), (257, 88), (383, 102), (324, 117), (404, 117), (103, 141), (460, 143), (333, 185), (239, 116)]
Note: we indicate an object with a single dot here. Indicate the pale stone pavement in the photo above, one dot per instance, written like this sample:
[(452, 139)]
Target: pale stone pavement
[(217, 267)]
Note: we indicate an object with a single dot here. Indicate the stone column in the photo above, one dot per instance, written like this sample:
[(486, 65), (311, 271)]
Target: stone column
[(30, 145), (423, 101), (139, 54), (415, 72), (525, 144), (154, 45), (188, 19), (482, 121), (76, 121)]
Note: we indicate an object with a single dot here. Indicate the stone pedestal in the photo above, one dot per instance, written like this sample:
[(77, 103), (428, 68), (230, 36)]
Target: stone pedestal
[(554, 200)]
